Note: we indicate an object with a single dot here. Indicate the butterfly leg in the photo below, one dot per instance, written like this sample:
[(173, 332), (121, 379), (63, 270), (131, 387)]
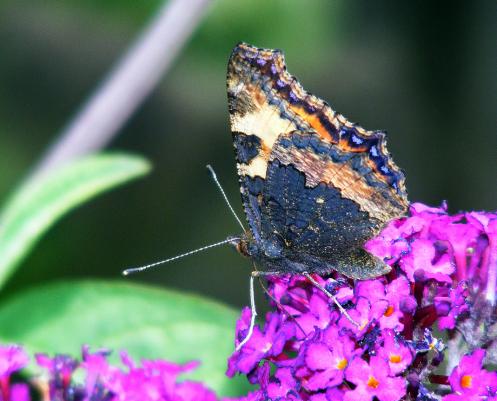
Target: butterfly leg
[(259, 273), (253, 275), (253, 314), (278, 303), (330, 295)]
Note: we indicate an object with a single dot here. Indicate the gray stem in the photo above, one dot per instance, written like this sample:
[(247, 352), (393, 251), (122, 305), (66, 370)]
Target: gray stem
[(127, 85)]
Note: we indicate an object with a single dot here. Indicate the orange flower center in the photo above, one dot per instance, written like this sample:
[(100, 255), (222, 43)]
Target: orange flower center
[(395, 358), (342, 364), (372, 382), (466, 381), (389, 311)]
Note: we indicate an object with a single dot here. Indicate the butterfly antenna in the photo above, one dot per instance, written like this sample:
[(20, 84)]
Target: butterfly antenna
[(214, 177), (146, 267)]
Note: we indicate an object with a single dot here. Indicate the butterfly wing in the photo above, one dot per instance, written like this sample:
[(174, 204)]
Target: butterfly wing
[(324, 204), (256, 121), (281, 135)]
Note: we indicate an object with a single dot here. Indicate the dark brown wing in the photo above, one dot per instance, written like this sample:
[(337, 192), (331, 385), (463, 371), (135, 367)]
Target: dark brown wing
[(318, 182)]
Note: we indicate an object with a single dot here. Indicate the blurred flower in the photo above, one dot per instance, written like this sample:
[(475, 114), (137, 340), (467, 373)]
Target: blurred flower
[(12, 359), (152, 380), (60, 370), (19, 392), (444, 276)]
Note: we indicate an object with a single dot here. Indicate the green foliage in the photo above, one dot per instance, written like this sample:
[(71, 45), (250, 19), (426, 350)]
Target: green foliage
[(38, 204), (147, 322), (60, 318), (267, 24)]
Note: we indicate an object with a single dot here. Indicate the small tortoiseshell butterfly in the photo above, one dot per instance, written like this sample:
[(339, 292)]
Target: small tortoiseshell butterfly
[(315, 187)]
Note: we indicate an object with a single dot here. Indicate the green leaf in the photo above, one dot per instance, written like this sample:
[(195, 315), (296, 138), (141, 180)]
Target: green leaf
[(38, 205), (147, 322)]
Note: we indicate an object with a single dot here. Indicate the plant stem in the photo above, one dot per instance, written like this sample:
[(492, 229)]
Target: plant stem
[(127, 85)]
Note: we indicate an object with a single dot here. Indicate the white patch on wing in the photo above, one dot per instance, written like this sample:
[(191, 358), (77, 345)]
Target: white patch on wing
[(256, 167), (238, 88), (264, 122), (267, 124)]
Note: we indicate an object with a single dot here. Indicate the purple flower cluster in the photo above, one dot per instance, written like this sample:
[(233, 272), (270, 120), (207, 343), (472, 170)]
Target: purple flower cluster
[(443, 281), (154, 380)]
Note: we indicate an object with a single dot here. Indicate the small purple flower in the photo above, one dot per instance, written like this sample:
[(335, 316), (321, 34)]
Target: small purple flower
[(261, 344), (418, 208), (364, 314), (373, 380), (460, 236), (327, 359), (396, 293), (373, 290), (487, 273), (282, 385), (450, 303), (332, 394), (462, 397), (318, 315), (469, 378), (309, 307), (396, 352), (389, 245), (422, 257)]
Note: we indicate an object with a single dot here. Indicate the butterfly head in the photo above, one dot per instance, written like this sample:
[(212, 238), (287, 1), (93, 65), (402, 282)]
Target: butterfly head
[(268, 251)]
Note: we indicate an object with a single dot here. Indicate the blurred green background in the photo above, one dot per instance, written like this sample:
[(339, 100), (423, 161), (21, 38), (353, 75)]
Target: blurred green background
[(424, 71)]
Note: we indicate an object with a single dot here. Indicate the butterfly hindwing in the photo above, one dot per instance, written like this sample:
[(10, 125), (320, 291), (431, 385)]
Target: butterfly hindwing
[(324, 229)]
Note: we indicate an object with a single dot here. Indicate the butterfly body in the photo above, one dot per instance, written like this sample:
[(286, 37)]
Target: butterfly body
[(314, 186)]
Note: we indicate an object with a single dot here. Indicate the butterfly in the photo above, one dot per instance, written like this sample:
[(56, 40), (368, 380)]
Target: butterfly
[(314, 186)]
